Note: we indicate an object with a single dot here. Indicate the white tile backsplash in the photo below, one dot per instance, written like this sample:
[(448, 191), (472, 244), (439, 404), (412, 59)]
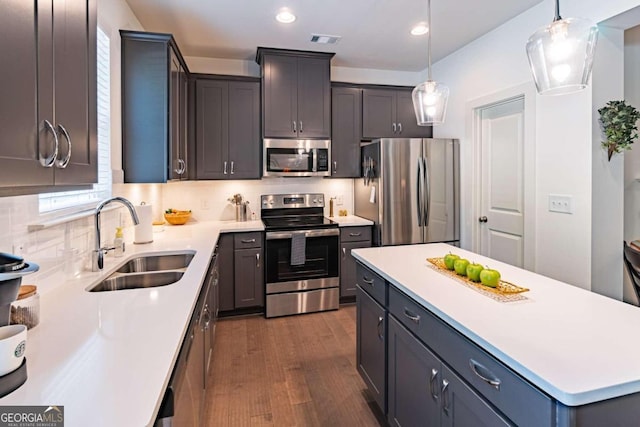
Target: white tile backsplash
[(49, 247), (208, 199), (57, 249)]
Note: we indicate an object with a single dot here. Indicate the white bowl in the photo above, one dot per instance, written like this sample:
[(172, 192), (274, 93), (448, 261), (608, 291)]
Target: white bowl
[(13, 340)]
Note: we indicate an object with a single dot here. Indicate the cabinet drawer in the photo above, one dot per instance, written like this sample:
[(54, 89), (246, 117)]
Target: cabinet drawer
[(355, 234), (520, 401), (247, 240), (372, 283)]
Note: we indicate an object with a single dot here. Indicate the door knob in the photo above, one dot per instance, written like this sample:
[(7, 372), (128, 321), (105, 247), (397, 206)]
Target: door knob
[(482, 219)]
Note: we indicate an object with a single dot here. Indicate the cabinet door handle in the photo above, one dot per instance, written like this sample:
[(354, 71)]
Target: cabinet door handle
[(294, 126), (485, 374), (344, 253), (367, 281), (394, 128), (61, 164), (248, 240), (335, 167), (48, 162), (355, 234), (207, 316), (300, 126), (414, 317), (432, 380), (182, 167), (380, 334), (257, 260), (225, 168), (232, 168), (445, 396), (399, 127)]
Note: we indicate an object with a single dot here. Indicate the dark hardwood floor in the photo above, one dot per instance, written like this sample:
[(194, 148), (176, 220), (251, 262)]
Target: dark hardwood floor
[(288, 371)]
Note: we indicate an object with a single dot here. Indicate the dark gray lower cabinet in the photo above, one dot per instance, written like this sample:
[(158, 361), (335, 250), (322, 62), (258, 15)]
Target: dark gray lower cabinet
[(351, 238), (249, 278), (240, 271), (425, 392), (371, 346), (225, 272)]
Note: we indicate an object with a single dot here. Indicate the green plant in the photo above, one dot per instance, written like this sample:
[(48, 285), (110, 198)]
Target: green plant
[(618, 120)]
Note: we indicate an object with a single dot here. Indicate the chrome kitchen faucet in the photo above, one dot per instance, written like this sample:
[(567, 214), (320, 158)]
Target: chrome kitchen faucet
[(97, 256)]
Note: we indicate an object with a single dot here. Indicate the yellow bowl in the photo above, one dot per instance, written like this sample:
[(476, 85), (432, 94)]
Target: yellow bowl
[(177, 217)]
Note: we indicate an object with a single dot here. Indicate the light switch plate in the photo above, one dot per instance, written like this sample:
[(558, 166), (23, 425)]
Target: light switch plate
[(560, 203)]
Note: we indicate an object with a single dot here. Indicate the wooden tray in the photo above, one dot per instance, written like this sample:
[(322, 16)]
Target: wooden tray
[(503, 288)]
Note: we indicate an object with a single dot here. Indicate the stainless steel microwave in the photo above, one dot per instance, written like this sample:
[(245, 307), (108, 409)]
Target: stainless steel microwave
[(296, 157)]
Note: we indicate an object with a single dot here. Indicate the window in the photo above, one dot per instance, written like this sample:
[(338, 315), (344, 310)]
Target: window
[(68, 199)]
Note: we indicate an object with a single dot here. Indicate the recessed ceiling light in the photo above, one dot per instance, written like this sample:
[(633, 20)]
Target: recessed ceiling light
[(420, 29), (285, 16)]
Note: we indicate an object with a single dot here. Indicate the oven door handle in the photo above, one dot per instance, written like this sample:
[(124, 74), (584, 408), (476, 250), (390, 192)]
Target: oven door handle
[(275, 235)]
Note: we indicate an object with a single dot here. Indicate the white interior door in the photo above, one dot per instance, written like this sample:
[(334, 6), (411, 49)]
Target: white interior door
[(501, 219)]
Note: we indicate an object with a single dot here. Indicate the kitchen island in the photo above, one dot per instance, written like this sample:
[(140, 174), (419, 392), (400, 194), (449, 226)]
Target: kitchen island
[(570, 349)]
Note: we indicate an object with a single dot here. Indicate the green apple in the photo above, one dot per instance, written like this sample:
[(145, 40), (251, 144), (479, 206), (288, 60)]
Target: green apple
[(490, 277), (449, 259), (473, 271), (460, 266)]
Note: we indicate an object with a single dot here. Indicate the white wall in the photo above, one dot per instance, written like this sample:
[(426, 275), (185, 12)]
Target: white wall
[(338, 74), (607, 177), (632, 157), (564, 138), (114, 15)]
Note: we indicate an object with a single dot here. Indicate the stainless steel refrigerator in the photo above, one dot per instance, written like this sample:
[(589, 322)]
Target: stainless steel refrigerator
[(410, 189)]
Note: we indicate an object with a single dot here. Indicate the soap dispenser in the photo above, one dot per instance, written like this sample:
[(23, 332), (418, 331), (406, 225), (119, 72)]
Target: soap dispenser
[(118, 243)]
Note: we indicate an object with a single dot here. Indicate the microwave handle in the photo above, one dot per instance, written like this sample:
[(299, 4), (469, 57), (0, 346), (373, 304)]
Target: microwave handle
[(314, 154)]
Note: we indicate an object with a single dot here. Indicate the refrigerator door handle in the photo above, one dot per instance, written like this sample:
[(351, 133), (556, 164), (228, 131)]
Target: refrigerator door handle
[(419, 192), (427, 192)]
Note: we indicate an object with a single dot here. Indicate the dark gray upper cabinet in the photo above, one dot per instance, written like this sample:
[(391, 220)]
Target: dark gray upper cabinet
[(296, 93), (154, 108), (346, 131), (227, 128), (48, 102), (388, 113)]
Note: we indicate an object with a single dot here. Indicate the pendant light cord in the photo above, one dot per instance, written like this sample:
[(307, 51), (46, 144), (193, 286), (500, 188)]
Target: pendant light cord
[(557, 17), (429, 40)]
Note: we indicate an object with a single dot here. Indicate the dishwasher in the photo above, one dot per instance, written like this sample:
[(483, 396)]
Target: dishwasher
[(183, 400)]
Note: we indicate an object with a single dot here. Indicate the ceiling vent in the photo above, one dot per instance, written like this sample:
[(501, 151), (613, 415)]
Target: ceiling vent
[(324, 39)]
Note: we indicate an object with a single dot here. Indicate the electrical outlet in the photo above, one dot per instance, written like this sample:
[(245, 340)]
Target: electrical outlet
[(560, 203), (339, 200), (19, 249), (204, 204)]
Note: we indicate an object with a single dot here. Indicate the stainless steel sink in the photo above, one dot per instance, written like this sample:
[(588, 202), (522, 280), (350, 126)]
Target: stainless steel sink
[(117, 282), (157, 263)]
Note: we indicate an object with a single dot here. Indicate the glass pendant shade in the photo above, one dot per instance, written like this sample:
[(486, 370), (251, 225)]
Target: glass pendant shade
[(430, 102), (561, 55)]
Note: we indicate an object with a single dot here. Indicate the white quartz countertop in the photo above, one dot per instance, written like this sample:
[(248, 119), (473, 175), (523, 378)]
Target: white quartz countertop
[(577, 346), (108, 356), (350, 221)]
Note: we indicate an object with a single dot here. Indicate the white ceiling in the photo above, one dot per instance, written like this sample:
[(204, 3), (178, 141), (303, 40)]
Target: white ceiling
[(375, 33)]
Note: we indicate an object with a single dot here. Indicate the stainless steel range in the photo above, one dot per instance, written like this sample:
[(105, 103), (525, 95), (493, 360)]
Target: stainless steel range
[(301, 255)]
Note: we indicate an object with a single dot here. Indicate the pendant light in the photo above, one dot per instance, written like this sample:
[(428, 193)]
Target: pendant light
[(430, 98), (561, 54)]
